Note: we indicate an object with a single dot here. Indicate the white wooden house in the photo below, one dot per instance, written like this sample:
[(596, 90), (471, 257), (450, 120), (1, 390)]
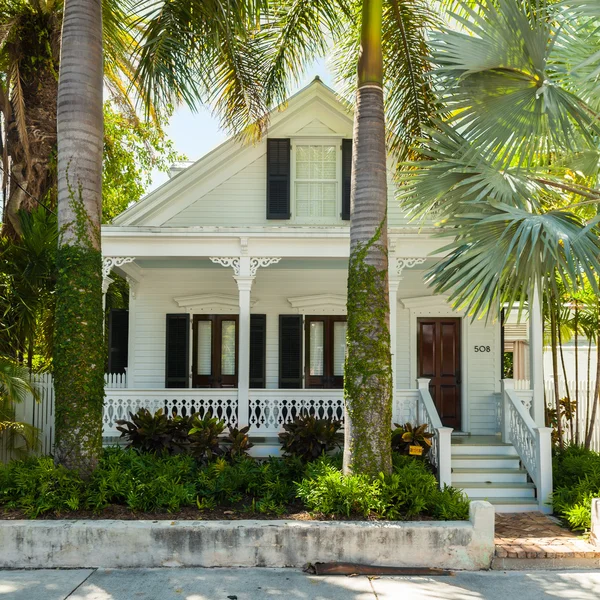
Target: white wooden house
[(237, 269)]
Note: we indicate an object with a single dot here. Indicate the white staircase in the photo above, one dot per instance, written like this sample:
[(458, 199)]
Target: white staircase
[(486, 469)]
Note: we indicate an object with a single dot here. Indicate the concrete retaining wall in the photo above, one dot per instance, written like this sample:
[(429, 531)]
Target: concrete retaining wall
[(49, 544)]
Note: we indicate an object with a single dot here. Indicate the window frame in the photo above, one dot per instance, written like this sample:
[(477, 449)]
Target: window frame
[(317, 141)]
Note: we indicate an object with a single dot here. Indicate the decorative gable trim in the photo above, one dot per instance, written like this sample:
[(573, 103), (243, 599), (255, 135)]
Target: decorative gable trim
[(320, 304), (210, 303)]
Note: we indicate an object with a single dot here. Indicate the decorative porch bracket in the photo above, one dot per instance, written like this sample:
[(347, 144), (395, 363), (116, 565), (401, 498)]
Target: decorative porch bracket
[(108, 263), (244, 271)]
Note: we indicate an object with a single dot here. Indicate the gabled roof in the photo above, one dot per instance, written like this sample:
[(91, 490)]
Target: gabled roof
[(230, 157)]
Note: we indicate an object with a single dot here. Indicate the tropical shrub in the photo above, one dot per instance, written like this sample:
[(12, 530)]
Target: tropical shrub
[(407, 435), (410, 490), (237, 443), (156, 432), (204, 437), (308, 437), (576, 474)]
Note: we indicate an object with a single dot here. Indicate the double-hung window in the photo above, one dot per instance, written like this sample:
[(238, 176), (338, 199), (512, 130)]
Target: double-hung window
[(316, 180)]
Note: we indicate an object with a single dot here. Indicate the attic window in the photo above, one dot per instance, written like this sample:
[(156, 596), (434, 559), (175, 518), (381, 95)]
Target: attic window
[(316, 180)]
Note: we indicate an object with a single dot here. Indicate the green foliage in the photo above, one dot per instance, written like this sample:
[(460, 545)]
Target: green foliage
[(27, 283), (149, 482), (576, 473), (132, 150), (264, 487), (149, 432), (15, 387), (204, 437), (237, 442), (410, 490), (36, 486), (307, 437), (408, 435)]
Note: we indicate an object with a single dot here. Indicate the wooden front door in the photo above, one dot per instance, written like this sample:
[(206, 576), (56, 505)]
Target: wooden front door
[(325, 351), (438, 348), (215, 351)]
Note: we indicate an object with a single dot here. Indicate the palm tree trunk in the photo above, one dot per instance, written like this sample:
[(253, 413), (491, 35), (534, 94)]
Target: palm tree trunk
[(576, 373), (592, 417), (553, 325), (564, 370), (79, 348), (368, 383)]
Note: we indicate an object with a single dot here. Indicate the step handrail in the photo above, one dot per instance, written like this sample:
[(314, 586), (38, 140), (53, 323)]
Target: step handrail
[(441, 448), (532, 443)]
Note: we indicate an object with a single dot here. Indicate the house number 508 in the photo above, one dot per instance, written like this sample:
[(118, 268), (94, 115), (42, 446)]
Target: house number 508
[(482, 349)]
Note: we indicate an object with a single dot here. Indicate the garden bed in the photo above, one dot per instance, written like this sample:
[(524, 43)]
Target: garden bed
[(131, 485)]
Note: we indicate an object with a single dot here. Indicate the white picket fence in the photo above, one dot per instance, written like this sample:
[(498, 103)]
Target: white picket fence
[(581, 415), (41, 414)]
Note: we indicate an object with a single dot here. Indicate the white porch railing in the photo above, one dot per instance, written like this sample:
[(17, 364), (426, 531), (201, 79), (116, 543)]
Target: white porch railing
[(118, 403), (532, 443), (115, 380), (270, 409), (441, 448)]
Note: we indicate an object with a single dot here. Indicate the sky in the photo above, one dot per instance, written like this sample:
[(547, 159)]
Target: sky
[(196, 134)]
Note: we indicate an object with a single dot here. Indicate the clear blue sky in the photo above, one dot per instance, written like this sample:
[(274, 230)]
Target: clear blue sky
[(195, 134)]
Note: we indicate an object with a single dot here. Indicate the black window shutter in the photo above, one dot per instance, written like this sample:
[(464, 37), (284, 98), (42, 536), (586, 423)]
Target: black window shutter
[(278, 178), (258, 351), (177, 351), (290, 351), (346, 177), (118, 340)]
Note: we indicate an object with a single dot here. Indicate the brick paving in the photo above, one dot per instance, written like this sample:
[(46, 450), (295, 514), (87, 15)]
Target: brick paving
[(535, 535)]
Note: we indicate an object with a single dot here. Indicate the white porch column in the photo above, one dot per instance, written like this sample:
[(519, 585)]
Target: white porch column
[(536, 362), (244, 283), (394, 282), (244, 273)]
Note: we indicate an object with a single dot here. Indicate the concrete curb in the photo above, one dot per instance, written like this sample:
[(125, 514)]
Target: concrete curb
[(467, 545), (544, 564)]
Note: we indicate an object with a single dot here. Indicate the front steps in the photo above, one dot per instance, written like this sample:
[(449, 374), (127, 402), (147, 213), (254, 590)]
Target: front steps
[(486, 469)]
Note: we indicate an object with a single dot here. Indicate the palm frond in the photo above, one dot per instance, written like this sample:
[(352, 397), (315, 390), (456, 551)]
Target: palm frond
[(499, 82), (19, 109), (499, 253)]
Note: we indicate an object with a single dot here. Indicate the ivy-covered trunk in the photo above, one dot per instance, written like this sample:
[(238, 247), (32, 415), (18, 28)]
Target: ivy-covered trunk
[(79, 348), (368, 372)]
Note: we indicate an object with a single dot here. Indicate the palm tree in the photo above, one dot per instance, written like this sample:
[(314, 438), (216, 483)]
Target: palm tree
[(259, 64), (505, 175), (78, 347), (30, 32)]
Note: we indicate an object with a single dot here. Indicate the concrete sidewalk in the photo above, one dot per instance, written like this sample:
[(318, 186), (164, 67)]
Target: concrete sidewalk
[(289, 584)]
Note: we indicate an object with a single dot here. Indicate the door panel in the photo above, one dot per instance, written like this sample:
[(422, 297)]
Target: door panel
[(215, 351), (325, 351), (438, 349)]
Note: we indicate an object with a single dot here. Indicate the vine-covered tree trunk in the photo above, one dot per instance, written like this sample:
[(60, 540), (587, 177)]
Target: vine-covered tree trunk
[(368, 373), (79, 348)]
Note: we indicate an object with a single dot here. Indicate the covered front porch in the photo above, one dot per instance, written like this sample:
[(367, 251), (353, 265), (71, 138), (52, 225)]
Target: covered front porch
[(252, 328)]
